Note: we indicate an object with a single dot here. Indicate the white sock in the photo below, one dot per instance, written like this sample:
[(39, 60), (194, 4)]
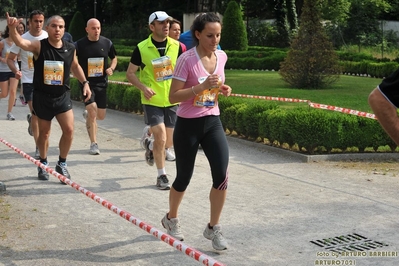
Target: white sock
[(161, 171)]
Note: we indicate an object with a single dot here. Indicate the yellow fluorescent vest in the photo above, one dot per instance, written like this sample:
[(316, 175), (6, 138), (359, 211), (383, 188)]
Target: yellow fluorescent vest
[(148, 52)]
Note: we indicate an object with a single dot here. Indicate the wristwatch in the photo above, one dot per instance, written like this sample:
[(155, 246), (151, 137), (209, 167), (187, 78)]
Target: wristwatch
[(85, 82)]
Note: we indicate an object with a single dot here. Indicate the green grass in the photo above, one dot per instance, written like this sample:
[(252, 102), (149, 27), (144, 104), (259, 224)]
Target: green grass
[(349, 92)]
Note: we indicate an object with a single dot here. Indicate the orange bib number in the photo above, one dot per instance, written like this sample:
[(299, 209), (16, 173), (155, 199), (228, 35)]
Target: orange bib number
[(53, 72), (95, 67), (163, 69)]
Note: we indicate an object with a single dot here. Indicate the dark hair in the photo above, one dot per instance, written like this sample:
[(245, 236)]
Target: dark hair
[(22, 24), (6, 33), (174, 21), (200, 21), (36, 12)]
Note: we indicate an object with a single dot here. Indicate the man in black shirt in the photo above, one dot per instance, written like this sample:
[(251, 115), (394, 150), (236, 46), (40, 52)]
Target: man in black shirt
[(93, 52), (53, 61)]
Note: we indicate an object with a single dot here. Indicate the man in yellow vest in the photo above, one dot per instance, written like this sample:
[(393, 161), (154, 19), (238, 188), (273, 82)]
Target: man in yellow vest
[(156, 58)]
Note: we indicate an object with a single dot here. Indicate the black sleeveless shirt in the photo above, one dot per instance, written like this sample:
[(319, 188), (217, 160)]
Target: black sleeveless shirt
[(53, 67)]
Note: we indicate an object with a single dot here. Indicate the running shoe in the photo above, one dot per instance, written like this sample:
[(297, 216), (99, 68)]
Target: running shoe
[(163, 182), (170, 155), (172, 227), (215, 234), (41, 173), (149, 156), (61, 168), (10, 116), (146, 134), (85, 114), (94, 149), (29, 119), (22, 99)]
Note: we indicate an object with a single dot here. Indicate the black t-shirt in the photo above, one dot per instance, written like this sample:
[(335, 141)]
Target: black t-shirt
[(53, 67), (97, 53), (135, 59)]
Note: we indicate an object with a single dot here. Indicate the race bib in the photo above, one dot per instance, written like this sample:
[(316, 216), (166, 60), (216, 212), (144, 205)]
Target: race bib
[(53, 72), (30, 60), (163, 69), (95, 67), (207, 98)]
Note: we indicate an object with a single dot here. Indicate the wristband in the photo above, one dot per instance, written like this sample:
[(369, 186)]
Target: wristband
[(192, 88)]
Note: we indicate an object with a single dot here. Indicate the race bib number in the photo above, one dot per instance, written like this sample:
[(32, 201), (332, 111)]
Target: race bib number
[(95, 67), (163, 69), (30, 60), (207, 98), (53, 72)]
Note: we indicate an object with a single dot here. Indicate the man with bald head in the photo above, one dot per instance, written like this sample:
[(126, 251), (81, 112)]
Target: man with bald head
[(93, 52)]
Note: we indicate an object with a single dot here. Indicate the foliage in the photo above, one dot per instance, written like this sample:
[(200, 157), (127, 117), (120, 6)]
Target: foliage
[(280, 13), (234, 35), (77, 26), (311, 62), (261, 33)]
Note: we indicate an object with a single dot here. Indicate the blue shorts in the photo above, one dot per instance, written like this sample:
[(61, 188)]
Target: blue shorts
[(4, 76)]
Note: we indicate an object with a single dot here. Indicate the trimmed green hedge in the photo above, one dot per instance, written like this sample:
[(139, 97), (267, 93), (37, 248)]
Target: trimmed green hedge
[(310, 130)]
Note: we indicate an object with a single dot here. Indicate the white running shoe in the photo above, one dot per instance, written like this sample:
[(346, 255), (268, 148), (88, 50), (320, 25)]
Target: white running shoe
[(215, 234), (146, 134), (85, 114), (94, 149), (10, 116), (172, 226), (170, 155)]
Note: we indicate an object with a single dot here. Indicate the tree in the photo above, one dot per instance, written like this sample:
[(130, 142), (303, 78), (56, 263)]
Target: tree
[(234, 34), (280, 12), (77, 26), (311, 62), (292, 15)]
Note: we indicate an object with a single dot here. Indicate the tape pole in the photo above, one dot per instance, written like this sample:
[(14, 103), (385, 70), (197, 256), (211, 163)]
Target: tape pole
[(178, 245)]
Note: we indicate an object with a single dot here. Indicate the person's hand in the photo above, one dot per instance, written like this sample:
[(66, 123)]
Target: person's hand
[(109, 71), (18, 74), (148, 93), (225, 89), (212, 81), (86, 92), (12, 22)]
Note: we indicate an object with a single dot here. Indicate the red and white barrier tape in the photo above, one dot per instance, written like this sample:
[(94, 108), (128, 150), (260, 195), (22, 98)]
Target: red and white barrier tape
[(342, 110), (180, 246), (292, 100)]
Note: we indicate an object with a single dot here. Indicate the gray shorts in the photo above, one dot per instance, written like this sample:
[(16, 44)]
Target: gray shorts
[(154, 115)]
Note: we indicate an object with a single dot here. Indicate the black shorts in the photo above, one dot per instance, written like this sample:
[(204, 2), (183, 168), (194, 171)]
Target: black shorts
[(46, 106), (27, 89), (98, 95), (389, 87), (4, 76), (154, 115)]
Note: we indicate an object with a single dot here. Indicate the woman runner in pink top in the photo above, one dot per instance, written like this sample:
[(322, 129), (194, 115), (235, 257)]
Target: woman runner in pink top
[(197, 80)]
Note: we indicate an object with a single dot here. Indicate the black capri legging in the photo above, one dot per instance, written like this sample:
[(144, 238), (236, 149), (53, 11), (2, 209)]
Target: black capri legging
[(188, 134)]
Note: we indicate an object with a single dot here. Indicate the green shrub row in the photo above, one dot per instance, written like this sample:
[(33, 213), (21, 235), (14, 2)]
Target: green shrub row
[(119, 97), (306, 128), (310, 130)]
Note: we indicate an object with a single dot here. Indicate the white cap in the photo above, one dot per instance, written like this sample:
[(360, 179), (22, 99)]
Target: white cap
[(158, 15)]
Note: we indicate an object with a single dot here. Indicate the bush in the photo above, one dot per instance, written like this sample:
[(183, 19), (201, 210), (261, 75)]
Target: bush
[(234, 35), (77, 26)]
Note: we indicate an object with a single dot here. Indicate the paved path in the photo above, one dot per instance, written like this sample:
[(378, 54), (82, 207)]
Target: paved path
[(276, 205)]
